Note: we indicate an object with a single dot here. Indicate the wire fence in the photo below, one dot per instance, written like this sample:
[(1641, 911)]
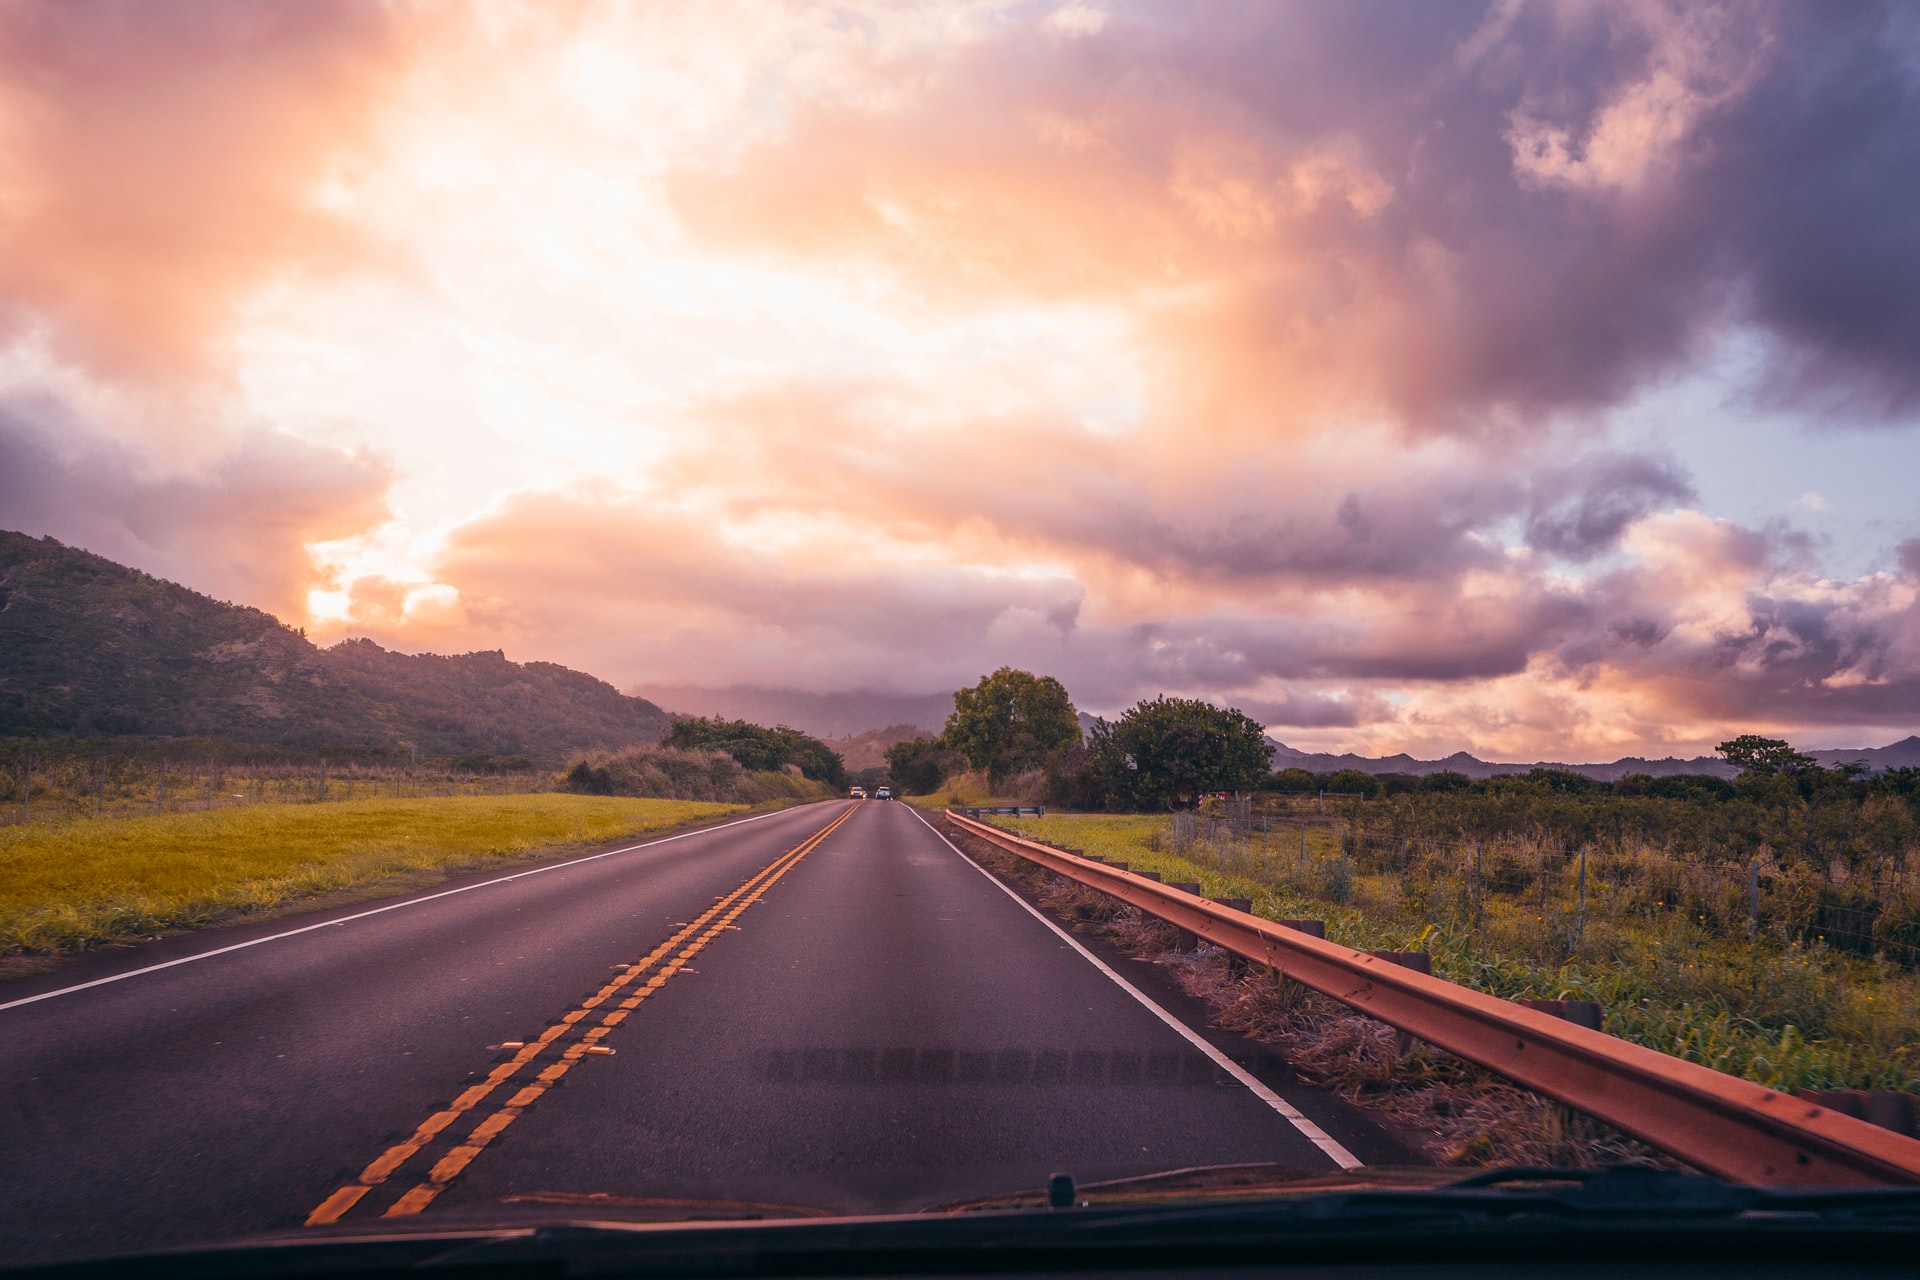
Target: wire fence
[(53, 786), (1559, 895)]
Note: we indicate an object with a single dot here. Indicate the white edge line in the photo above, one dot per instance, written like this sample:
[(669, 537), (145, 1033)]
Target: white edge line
[(392, 906), (1308, 1129)]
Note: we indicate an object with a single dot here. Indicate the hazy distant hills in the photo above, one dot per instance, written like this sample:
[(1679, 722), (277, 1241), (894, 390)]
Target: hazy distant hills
[(847, 718), (88, 646), (869, 750), (824, 715), (1899, 755)]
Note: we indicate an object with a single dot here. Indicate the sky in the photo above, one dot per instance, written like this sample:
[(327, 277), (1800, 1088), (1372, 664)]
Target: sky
[(1538, 378)]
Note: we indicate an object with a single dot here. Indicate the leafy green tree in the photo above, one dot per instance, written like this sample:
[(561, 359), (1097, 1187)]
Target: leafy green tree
[(1169, 752), (756, 747), (1904, 782), (1011, 720), (919, 765), (1296, 780), (1751, 753), (1353, 782), (1563, 780)]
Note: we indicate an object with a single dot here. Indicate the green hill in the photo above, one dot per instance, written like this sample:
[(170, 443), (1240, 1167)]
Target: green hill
[(89, 647)]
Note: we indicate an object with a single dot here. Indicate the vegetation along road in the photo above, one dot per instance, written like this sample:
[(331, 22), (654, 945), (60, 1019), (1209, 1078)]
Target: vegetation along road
[(824, 1008)]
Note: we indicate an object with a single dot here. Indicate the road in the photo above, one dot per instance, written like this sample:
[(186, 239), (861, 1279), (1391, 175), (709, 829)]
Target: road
[(827, 1008)]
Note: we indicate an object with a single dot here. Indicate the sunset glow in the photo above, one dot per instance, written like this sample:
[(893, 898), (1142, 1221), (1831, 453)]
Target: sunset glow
[(1533, 379)]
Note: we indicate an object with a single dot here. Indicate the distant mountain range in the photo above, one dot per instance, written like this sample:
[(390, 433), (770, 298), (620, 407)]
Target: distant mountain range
[(845, 719), (1901, 754), (869, 750), (88, 646), (824, 715)]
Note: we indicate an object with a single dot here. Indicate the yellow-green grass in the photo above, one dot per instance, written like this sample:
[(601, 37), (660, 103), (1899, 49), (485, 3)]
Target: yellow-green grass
[(79, 885), (965, 790), (1730, 1006)]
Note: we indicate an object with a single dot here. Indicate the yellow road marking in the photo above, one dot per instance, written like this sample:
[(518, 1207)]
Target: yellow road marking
[(727, 908)]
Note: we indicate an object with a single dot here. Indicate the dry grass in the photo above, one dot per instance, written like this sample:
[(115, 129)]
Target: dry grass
[(1789, 1017), (961, 791), (1447, 1109), (81, 884)]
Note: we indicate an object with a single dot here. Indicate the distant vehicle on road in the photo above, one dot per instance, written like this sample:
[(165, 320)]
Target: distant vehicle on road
[(884, 793), (858, 793)]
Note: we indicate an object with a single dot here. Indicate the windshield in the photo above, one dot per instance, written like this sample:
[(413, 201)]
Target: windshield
[(778, 612)]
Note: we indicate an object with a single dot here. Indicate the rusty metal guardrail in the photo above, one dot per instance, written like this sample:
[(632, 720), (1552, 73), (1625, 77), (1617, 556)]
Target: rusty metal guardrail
[(1734, 1128)]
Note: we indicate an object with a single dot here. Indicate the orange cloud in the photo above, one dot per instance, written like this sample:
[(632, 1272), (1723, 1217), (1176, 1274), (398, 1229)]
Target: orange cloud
[(165, 158), (237, 526)]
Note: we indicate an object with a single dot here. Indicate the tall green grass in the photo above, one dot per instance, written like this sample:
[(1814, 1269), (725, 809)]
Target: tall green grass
[(1787, 1016), (85, 883)]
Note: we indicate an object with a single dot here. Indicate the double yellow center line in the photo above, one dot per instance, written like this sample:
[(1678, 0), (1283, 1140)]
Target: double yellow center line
[(688, 943)]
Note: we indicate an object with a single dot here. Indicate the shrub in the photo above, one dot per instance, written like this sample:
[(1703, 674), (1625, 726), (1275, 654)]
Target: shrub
[(919, 765), (1353, 782), (755, 747), (668, 773)]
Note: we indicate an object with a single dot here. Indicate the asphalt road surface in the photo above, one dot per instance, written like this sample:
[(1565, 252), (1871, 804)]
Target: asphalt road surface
[(827, 1008)]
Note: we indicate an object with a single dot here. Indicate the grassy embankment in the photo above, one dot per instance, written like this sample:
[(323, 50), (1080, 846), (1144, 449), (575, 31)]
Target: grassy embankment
[(964, 789), (81, 884), (1785, 1015)]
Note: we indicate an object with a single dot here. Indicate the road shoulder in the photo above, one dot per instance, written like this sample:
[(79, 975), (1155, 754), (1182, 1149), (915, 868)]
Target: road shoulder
[(1352, 1127)]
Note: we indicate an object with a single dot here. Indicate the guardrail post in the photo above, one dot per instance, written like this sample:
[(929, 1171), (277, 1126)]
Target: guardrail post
[(1236, 964), (1585, 1013), (1419, 962), (1186, 941), (1312, 928), (1890, 1109)]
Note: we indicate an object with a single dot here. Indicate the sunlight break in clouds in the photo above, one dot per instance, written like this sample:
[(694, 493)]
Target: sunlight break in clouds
[(1278, 354)]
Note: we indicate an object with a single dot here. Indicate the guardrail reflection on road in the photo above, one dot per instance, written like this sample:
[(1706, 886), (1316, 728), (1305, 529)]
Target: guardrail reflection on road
[(1082, 1068)]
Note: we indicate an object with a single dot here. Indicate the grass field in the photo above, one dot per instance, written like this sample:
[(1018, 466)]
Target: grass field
[(1787, 1016), (968, 788), (81, 884)]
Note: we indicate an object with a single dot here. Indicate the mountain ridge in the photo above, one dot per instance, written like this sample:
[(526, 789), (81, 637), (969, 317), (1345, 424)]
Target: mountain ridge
[(845, 714), (1902, 754), (89, 646)]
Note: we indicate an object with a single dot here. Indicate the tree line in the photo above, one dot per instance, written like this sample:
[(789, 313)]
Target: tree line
[(1017, 727), (757, 748), (1024, 734)]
